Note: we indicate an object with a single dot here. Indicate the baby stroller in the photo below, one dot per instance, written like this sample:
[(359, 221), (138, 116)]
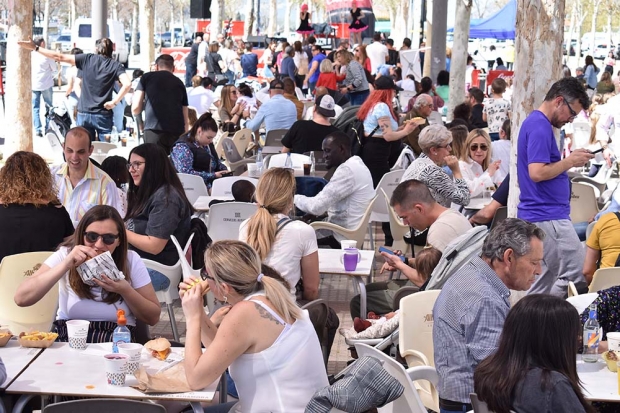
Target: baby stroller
[(59, 123)]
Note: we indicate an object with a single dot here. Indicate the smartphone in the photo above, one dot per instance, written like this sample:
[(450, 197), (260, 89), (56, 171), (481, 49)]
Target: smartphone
[(597, 151), (227, 174), (389, 251)]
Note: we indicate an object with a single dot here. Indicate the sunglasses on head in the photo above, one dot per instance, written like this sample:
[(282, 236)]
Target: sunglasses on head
[(108, 239), (482, 147)]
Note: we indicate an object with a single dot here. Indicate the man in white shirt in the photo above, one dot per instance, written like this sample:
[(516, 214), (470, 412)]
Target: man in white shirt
[(201, 97), (43, 71), (377, 53), (348, 193)]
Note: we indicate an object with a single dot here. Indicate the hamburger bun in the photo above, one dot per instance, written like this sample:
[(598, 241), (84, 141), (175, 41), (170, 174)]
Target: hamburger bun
[(159, 348)]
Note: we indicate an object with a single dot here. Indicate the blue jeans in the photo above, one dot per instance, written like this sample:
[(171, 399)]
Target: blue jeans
[(190, 71), (97, 124), (118, 114), (452, 411), (580, 229), (311, 86), (231, 76), (159, 280), (36, 107), (358, 98)]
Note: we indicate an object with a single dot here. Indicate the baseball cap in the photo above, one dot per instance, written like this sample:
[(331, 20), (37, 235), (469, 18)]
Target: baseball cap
[(325, 106), (385, 83), (276, 84)]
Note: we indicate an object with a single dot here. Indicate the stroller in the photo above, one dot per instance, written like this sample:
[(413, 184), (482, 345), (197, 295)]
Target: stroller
[(59, 123)]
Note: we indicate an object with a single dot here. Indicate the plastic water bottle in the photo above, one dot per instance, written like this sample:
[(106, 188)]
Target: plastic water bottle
[(312, 162), (121, 333), (114, 135), (259, 161), (289, 161), (591, 337)]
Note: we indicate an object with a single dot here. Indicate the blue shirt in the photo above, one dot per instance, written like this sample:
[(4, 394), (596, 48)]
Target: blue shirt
[(249, 63), (315, 76), (545, 200), (468, 318), (277, 113), (590, 76)]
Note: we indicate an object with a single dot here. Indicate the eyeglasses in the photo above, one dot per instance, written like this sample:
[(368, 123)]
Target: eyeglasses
[(446, 146), (108, 239), (482, 147), (573, 114), (205, 276), (233, 92), (134, 165)]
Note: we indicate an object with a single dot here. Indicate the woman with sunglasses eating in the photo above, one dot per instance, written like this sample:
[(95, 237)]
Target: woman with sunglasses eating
[(99, 231), (231, 111), (476, 166)]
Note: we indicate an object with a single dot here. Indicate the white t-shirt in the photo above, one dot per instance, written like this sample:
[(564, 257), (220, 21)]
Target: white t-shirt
[(500, 151), (448, 226), (377, 52), (72, 307), (201, 99), (497, 112), (294, 241), (477, 179)]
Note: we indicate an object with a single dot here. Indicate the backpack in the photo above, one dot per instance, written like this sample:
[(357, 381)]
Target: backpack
[(200, 242), (348, 123)]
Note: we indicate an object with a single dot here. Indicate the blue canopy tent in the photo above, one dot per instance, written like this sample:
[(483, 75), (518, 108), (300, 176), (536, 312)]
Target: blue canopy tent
[(499, 26)]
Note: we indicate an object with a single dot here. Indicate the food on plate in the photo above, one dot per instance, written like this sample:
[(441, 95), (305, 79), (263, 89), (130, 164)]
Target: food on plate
[(611, 355), (159, 348), (5, 336), (38, 336), (5, 333), (611, 358)]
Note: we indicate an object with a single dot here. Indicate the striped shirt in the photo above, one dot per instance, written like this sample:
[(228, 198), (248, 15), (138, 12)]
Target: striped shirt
[(468, 319), (96, 188)]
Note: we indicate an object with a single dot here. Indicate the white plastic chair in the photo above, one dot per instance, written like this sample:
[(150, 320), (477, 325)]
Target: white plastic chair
[(224, 219), (278, 160), (398, 229), (223, 186), (572, 290), (583, 203), (57, 155), (13, 270), (194, 186), (358, 233), (103, 147), (242, 139), (383, 191), (174, 274), (409, 401), (416, 337), (403, 98), (605, 278), (234, 160)]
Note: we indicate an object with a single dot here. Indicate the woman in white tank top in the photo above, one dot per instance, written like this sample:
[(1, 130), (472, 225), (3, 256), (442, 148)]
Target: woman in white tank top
[(269, 343)]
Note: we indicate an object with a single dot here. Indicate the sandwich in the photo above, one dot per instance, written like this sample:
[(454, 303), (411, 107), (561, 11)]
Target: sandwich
[(416, 119), (159, 348)]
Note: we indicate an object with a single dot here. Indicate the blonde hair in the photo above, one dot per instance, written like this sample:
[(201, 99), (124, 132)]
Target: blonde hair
[(274, 195), (326, 66), (238, 265), (473, 135), (594, 118)]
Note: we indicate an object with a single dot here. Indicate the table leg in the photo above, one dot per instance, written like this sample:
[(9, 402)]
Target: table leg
[(2, 408), (21, 403), (197, 407), (362, 288), (223, 389)]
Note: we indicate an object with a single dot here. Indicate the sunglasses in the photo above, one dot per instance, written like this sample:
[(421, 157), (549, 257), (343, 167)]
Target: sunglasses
[(573, 114), (482, 147), (204, 275), (108, 239), (134, 165), (234, 92)]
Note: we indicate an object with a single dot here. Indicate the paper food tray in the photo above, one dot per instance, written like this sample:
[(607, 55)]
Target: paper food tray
[(95, 267)]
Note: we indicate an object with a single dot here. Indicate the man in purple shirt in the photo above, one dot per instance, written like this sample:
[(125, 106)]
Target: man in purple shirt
[(545, 187)]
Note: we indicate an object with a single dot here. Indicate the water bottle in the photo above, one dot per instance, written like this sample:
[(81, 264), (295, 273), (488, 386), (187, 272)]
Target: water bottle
[(121, 333), (114, 135), (289, 161), (259, 161), (591, 337), (312, 162)]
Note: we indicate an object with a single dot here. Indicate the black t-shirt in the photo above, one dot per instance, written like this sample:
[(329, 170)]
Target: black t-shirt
[(501, 195), (192, 56), (98, 76), (164, 214), (306, 136), (165, 96), (28, 228), (475, 119), (392, 57)]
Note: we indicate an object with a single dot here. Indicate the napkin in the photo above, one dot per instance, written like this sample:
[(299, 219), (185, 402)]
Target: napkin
[(96, 267), (172, 380)]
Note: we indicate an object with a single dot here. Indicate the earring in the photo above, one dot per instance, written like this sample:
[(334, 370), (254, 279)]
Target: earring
[(225, 300)]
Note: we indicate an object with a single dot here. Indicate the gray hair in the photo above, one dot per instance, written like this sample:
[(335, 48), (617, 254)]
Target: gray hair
[(434, 135), (422, 99), (512, 233)]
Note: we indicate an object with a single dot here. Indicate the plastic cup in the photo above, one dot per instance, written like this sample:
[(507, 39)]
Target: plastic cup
[(253, 170), (307, 169), (107, 137), (123, 141), (134, 351), (77, 330), (348, 243), (116, 368), (350, 258), (613, 341)]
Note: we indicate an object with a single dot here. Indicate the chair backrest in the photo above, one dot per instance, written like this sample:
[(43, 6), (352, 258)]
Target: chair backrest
[(274, 137), (583, 204), (242, 139), (278, 160), (500, 215), (384, 190), (415, 340), (225, 218), (194, 186), (590, 228), (583, 301), (230, 150), (410, 400), (397, 227), (318, 311), (55, 145), (479, 406), (599, 187), (223, 186), (104, 406), (605, 278), (403, 98), (103, 147), (13, 270), (572, 289)]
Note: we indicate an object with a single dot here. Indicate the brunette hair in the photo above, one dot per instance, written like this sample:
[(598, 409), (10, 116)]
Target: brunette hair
[(204, 122), (426, 261), (116, 168), (26, 178), (459, 136), (541, 331), (225, 97)]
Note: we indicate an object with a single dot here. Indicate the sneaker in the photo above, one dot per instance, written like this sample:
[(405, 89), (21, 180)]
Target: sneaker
[(39, 134)]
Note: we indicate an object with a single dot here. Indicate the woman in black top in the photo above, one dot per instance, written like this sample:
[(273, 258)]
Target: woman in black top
[(194, 152), (357, 26), (31, 216), (214, 62)]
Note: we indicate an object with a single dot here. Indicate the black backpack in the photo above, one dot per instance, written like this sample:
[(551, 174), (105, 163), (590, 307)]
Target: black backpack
[(200, 242)]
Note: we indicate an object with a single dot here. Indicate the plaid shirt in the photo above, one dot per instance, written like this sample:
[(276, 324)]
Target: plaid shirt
[(468, 319)]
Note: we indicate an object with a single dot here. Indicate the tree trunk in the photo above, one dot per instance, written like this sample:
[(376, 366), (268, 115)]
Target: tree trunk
[(46, 19), (400, 21), (438, 49), (73, 15), (18, 113), (540, 28), (597, 3), (115, 10), (147, 48), (571, 29), (580, 16), (216, 19), (459, 55), (426, 70), (134, 28), (609, 43), (417, 28), (273, 18), (287, 18), (248, 28)]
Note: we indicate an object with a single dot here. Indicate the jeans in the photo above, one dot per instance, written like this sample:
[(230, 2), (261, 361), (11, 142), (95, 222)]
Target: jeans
[(311, 86), (358, 98), (190, 71), (449, 411), (494, 136), (580, 229), (118, 114), (159, 280), (231, 76), (36, 106), (97, 124)]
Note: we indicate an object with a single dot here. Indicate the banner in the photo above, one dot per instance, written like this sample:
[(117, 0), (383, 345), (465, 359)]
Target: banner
[(178, 54), (494, 74)]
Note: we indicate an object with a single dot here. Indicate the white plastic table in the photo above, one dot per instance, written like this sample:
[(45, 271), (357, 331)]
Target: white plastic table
[(478, 203), (16, 359), (62, 371), (599, 383), (329, 263)]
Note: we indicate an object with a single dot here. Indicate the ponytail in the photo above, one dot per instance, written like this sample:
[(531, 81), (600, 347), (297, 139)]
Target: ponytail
[(261, 232)]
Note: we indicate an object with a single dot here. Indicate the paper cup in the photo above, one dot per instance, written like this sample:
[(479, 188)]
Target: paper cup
[(116, 368), (348, 243), (134, 351), (77, 331), (613, 341), (253, 170)]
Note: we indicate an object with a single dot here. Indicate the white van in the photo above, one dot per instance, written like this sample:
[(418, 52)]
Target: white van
[(81, 36)]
